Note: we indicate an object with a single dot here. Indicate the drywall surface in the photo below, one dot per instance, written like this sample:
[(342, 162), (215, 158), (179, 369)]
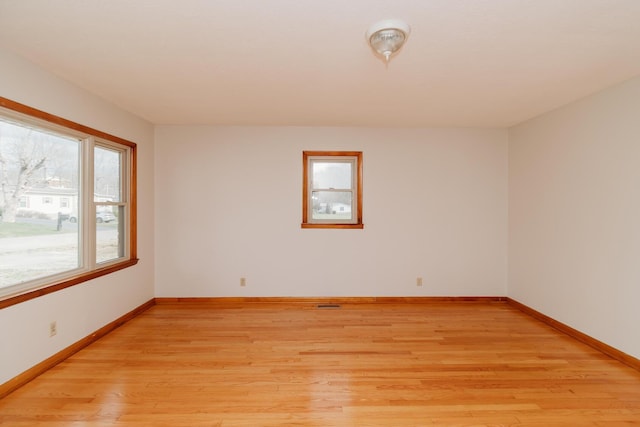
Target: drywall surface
[(82, 309), (574, 210), (229, 205)]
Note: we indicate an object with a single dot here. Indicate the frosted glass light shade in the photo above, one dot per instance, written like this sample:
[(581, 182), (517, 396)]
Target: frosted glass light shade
[(387, 37)]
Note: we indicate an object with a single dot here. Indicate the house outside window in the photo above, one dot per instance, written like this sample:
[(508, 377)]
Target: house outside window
[(332, 189), (72, 187)]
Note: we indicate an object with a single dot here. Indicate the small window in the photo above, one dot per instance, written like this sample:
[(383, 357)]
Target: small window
[(47, 200), (111, 208), (332, 189)]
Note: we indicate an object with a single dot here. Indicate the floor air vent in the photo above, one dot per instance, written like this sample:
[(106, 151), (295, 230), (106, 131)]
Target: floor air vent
[(325, 306)]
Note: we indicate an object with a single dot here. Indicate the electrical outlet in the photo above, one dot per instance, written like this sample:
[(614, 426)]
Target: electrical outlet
[(243, 281), (53, 328), (419, 281)]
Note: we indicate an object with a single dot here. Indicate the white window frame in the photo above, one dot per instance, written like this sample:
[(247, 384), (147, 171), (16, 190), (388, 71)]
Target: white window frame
[(125, 196), (352, 157), (88, 268)]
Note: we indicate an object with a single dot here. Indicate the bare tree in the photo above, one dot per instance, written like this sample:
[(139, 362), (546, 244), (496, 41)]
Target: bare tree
[(12, 192), (21, 156), (24, 150)]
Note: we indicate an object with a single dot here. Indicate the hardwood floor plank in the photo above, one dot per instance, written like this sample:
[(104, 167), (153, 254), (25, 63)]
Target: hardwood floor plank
[(392, 364)]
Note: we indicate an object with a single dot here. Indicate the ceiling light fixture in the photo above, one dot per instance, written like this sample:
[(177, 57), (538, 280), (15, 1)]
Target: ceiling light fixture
[(387, 37)]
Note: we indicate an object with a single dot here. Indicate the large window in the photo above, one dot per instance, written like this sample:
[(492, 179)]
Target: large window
[(332, 189), (67, 203)]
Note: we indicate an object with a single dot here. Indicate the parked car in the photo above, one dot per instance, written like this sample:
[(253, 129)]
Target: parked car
[(105, 217), (100, 217)]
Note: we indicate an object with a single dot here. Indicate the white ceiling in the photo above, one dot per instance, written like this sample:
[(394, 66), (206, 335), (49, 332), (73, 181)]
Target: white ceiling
[(487, 63)]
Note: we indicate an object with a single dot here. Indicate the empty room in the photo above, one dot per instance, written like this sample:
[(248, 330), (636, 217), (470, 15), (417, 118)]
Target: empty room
[(319, 213)]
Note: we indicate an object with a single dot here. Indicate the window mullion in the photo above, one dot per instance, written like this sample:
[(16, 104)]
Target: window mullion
[(88, 207)]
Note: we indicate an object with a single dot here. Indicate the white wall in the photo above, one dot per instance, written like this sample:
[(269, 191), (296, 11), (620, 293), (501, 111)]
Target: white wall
[(82, 309), (574, 215), (228, 205)]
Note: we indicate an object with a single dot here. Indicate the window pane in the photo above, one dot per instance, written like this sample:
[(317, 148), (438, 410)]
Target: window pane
[(107, 189), (328, 174), (39, 175), (109, 233), (331, 205), (48, 203), (107, 175)]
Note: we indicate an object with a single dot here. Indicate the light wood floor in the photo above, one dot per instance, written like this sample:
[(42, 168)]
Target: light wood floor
[(362, 365)]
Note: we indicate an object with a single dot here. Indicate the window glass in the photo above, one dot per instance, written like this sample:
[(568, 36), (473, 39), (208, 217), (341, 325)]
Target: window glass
[(107, 175), (38, 193), (67, 203), (328, 174), (109, 211), (332, 189), (332, 205), (109, 234)]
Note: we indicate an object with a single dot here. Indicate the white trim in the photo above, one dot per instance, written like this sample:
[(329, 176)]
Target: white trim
[(353, 161)]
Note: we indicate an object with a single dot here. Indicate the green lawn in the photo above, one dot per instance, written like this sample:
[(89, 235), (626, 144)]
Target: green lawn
[(17, 229)]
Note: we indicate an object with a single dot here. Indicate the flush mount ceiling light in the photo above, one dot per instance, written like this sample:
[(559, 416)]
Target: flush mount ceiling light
[(387, 37)]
